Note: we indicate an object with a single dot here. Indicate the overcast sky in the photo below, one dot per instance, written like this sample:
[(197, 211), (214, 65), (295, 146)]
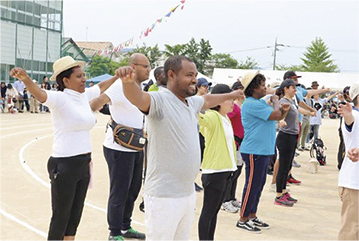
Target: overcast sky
[(241, 28)]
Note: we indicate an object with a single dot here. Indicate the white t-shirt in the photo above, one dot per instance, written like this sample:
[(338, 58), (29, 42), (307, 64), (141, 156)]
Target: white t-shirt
[(122, 112), (349, 172), (317, 120), (73, 119)]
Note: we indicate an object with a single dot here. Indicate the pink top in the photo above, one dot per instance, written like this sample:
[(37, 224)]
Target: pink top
[(235, 117)]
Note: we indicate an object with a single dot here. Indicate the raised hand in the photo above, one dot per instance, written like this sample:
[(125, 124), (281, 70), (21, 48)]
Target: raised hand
[(274, 98), (285, 107), (238, 94), (345, 110), (20, 74), (126, 74)]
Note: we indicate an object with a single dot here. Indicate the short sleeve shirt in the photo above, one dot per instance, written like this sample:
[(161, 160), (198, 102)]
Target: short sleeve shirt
[(259, 131), (173, 145), (72, 119)]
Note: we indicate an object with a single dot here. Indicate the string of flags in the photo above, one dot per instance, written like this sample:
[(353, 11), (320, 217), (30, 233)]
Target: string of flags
[(143, 34)]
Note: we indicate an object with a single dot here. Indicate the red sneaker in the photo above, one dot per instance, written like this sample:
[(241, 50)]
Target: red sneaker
[(292, 180)]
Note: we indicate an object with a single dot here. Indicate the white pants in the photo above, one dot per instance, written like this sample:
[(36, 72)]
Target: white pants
[(169, 218)]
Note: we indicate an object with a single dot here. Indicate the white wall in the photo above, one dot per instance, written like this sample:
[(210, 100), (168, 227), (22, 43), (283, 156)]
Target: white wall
[(7, 46)]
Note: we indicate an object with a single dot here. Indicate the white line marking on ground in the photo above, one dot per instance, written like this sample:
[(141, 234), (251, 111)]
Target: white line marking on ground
[(47, 184), (9, 216)]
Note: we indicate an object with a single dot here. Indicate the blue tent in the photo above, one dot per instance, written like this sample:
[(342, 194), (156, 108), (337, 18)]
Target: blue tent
[(98, 79)]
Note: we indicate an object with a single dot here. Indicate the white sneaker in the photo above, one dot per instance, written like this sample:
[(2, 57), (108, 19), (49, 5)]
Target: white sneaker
[(236, 203), (228, 207)]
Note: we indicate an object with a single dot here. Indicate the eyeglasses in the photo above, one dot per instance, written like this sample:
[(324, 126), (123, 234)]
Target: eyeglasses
[(146, 66)]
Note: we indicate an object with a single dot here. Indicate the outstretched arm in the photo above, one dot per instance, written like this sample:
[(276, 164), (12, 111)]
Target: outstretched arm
[(213, 100), (132, 91), (104, 85), (318, 91), (33, 88)]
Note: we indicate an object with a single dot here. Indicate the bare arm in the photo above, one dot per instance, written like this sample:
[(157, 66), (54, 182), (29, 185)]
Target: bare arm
[(132, 91), (104, 85), (318, 91), (305, 106), (346, 112), (306, 112), (332, 96), (277, 112), (97, 103), (213, 100), (33, 88)]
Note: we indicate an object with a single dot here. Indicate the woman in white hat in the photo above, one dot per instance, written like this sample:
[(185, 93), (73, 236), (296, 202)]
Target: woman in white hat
[(69, 163)]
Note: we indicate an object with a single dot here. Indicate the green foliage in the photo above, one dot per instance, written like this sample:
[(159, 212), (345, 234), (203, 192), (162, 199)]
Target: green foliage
[(224, 61), (318, 59), (152, 53), (249, 63), (292, 67), (177, 49), (99, 65)]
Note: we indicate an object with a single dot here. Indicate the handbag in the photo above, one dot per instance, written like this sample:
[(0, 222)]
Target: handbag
[(132, 138)]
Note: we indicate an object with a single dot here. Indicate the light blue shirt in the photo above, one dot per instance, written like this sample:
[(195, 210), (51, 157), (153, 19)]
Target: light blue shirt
[(19, 86), (259, 131), (301, 93)]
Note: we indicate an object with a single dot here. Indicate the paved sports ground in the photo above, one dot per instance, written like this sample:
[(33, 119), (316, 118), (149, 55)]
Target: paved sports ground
[(26, 142)]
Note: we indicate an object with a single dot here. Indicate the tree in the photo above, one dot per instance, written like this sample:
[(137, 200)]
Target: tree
[(224, 61), (152, 53), (318, 59), (249, 63), (177, 49), (292, 67), (99, 65)]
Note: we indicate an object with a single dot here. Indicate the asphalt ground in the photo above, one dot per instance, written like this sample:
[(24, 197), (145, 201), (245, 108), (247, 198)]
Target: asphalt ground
[(26, 144)]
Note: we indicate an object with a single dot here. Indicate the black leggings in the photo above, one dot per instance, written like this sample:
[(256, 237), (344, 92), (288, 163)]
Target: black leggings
[(230, 193), (70, 178), (286, 144), (214, 186)]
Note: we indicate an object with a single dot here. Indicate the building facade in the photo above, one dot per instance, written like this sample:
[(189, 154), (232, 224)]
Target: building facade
[(31, 35)]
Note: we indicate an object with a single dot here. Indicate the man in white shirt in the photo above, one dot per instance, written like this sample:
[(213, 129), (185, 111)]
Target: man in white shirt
[(19, 86), (125, 165)]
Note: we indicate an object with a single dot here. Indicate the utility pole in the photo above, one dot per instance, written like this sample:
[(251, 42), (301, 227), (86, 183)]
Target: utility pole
[(275, 51)]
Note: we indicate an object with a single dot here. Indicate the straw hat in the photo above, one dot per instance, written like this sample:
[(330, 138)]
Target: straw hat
[(63, 64), (247, 79)]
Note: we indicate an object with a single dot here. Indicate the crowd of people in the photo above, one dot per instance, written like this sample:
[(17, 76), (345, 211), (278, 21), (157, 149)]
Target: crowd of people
[(217, 132), (15, 98)]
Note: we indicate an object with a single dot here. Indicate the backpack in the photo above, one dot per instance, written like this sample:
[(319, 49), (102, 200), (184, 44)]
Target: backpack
[(318, 148)]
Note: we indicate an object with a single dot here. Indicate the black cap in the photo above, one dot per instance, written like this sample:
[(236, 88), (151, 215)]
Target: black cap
[(287, 83), (290, 75)]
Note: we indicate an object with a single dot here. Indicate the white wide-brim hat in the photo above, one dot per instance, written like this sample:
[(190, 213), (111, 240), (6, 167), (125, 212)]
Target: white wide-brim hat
[(63, 64), (247, 79)]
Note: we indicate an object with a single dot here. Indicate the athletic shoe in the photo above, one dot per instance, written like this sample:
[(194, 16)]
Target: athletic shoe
[(300, 148), (115, 238), (292, 180), (236, 203), (197, 187), (289, 198), (296, 154), (282, 201), (131, 233), (228, 207), (248, 226), (306, 148), (296, 164), (260, 223)]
